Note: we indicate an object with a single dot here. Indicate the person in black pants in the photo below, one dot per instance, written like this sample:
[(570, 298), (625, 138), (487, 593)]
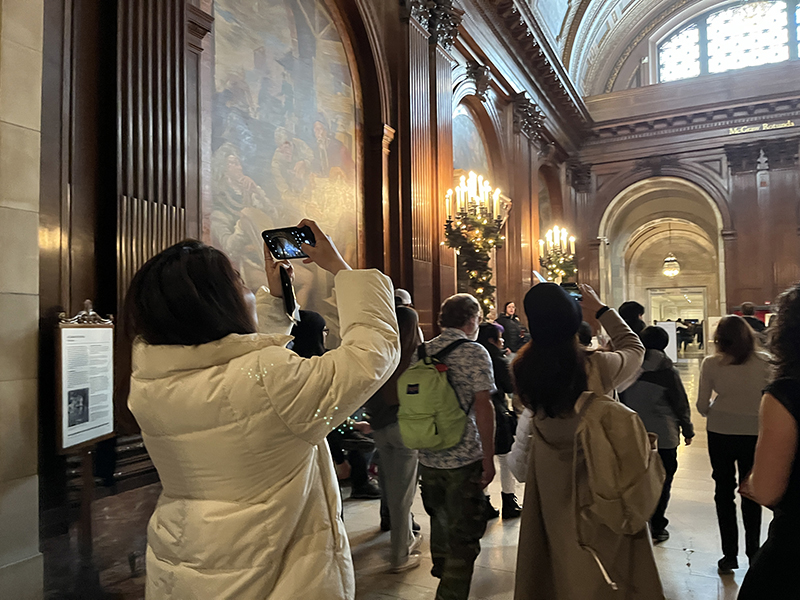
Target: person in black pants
[(738, 374), (775, 479), (658, 396)]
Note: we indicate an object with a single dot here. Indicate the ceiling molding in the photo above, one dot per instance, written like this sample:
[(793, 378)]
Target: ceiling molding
[(577, 19)]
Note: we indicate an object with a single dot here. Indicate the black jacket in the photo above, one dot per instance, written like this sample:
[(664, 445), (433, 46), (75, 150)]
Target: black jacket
[(515, 334)]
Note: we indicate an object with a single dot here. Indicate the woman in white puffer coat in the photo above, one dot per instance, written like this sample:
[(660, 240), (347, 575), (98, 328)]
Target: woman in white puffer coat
[(235, 424)]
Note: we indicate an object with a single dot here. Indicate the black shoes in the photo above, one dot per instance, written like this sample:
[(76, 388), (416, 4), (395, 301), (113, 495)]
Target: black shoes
[(489, 511), (727, 564), (660, 536), (511, 508), (386, 524), (367, 491)]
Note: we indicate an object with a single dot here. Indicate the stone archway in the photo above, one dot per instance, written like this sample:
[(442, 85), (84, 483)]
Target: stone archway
[(640, 215)]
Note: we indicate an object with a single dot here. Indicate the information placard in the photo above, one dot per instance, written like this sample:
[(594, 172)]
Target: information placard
[(672, 348), (85, 375)]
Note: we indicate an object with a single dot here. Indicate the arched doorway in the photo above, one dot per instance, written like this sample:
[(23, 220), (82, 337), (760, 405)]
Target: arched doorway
[(647, 221)]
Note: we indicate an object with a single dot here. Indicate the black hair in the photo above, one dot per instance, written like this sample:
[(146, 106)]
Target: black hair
[(654, 338), (187, 295), (585, 334), (784, 336), (551, 379), (309, 336), (488, 333)]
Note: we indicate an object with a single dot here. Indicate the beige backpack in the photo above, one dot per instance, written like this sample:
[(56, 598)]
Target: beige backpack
[(625, 474)]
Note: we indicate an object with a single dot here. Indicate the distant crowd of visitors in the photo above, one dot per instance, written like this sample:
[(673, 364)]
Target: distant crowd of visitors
[(252, 422)]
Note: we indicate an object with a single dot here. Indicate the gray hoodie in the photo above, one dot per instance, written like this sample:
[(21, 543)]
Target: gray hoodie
[(660, 399)]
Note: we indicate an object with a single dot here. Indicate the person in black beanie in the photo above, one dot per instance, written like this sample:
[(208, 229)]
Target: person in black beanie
[(550, 374)]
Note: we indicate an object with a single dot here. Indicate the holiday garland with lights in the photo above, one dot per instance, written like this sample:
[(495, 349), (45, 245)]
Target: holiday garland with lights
[(558, 263), (474, 237)]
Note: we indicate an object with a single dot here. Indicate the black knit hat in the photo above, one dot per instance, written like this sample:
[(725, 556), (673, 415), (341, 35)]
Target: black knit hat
[(553, 315)]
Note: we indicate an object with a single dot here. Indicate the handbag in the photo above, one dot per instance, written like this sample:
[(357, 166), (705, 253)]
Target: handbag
[(505, 425)]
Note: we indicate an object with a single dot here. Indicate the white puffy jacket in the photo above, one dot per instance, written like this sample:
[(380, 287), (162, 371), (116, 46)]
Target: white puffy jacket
[(236, 428)]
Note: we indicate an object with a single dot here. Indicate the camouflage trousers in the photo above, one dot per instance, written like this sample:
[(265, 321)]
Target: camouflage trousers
[(456, 504)]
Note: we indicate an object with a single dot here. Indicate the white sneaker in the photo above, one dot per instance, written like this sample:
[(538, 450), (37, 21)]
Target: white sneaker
[(416, 544), (412, 562)]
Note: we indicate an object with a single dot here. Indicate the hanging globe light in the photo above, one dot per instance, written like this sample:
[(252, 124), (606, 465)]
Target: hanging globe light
[(671, 266)]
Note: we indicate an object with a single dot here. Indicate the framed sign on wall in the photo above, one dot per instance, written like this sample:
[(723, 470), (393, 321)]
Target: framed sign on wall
[(85, 380)]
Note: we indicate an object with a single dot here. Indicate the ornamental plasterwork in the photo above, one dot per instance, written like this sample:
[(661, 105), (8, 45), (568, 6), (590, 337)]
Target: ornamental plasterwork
[(480, 75)]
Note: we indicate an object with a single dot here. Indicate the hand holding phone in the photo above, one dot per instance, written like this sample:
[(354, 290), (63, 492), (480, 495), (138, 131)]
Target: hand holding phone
[(286, 243), (323, 253)]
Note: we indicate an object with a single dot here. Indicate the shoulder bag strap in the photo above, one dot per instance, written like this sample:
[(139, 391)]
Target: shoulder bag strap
[(440, 356)]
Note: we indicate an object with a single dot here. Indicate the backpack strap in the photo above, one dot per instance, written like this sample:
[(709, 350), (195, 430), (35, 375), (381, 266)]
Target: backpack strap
[(441, 354)]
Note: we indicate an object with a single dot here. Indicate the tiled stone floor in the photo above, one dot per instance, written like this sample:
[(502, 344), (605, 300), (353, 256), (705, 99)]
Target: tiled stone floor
[(687, 561)]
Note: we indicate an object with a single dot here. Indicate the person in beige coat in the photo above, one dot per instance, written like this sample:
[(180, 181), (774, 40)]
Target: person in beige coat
[(551, 373), (235, 424)]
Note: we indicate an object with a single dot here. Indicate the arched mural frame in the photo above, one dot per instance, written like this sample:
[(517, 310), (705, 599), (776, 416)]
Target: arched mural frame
[(359, 29), (615, 207)]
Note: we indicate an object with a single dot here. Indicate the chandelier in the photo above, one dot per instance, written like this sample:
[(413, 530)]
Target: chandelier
[(557, 254), (476, 213), (671, 266)]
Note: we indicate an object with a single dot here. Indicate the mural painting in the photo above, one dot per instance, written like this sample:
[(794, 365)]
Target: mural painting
[(469, 149), (284, 133)]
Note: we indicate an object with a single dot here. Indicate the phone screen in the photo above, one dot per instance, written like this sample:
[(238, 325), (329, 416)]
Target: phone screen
[(573, 290), (285, 244)]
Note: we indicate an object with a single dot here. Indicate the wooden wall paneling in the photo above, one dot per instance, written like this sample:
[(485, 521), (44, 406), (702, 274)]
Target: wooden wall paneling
[(782, 224), (422, 174), (443, 63)]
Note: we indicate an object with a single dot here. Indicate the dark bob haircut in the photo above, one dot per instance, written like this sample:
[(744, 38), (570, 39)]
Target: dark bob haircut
[(187, 295), (734, 338)]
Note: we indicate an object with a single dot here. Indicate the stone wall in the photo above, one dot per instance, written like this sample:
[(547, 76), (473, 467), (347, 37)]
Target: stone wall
[(20, 117)]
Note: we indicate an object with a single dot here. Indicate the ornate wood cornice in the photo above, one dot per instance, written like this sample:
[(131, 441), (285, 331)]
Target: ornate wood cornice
[(726, 119), (480, 75), (529, 47), (528, 118), (439, 17), (198, 25)]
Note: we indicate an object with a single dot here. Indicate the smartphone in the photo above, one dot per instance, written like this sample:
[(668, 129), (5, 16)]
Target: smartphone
[(289, 303), (573, 290), (285, 243), (539, 277)]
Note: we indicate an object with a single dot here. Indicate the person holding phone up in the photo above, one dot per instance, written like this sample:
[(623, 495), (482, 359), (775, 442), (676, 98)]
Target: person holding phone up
[(235, 423)]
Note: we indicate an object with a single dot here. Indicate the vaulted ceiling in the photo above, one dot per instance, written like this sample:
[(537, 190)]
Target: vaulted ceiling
[(595, 38)]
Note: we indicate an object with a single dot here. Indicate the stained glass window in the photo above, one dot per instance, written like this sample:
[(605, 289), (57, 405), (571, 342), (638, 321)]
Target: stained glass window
[(679, 56), (748, 35)]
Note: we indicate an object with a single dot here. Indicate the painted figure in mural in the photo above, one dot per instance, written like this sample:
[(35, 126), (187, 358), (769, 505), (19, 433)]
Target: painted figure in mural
[(331, 157), (291, 165), (234, 192)]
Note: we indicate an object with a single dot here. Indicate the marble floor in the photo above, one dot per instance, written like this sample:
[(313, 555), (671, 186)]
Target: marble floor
[(687, 561)]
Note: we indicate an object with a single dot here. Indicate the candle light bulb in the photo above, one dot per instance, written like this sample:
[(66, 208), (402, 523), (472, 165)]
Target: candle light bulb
[(572, 245)]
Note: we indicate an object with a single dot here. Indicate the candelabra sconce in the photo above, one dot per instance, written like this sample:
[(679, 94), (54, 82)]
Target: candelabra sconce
[(476, 215), (557, 255)]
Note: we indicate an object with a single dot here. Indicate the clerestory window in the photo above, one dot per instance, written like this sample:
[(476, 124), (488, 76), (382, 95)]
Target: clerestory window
[(746, 34)]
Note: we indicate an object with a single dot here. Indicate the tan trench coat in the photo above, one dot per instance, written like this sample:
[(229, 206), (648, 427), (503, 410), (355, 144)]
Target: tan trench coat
[(550, 564), (236, 428)]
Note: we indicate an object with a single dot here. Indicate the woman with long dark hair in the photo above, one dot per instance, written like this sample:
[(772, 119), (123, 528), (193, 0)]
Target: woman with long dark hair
[(235, 423), (774, 481), (551, 374), (398, 464), (737, 373)]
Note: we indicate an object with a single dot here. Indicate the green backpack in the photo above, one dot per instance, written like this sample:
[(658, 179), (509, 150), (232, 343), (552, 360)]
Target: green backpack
[(430, 416)]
